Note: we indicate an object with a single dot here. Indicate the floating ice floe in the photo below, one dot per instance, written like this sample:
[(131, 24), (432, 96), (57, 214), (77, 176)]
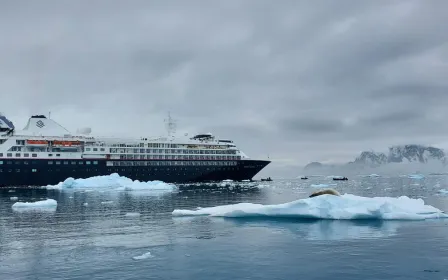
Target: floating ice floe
[(44, 205), (344, 207), (443, 191), (416, 176), (13, 198), (142, 257), (107, 202), (114, 182), (132, 214), (322, 185)]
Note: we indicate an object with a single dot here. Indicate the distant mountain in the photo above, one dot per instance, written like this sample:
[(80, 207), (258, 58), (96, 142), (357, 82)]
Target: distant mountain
[(416, 153), (371, 159), (397, 154), (313, 165)]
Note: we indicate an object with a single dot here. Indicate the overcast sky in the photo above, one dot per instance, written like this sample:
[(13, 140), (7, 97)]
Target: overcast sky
[(299, 80)]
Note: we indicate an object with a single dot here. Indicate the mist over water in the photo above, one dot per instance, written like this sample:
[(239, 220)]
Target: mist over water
[(108, 234), (390, 169)]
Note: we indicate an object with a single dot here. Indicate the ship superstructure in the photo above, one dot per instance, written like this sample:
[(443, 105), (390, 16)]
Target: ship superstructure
[(45, 153)]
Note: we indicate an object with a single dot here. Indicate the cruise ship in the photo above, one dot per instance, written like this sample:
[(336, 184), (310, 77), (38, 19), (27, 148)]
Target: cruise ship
[(45, 153)]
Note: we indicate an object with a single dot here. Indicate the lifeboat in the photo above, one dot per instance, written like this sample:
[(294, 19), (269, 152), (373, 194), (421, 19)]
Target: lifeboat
[(66, 143), (37, 142)]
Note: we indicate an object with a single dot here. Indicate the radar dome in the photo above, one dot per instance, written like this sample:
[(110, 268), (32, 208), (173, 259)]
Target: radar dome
[(84, 130)]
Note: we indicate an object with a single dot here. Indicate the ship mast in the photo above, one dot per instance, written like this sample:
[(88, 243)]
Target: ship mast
[(170, 125)]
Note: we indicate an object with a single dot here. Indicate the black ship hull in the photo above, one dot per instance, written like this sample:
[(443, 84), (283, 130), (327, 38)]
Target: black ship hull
[(42, 172)]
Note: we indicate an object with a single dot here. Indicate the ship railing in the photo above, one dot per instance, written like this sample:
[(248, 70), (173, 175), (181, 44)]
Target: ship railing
[(110, 140), (48, 137)]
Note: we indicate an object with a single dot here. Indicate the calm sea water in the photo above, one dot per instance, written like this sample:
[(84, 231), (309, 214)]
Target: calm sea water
[(99, 241)]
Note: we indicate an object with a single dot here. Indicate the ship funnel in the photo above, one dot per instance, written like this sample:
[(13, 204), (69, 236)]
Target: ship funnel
[(40, 125)]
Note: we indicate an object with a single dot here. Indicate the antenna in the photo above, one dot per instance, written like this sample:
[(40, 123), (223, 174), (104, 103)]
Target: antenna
[(170, 125)]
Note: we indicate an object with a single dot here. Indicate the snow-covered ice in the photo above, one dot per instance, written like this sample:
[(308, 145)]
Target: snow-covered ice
[(113, 182), (345, 207), (46, 205), (107, 202), (132, 214), (416, 176), (142, 257), (322, 185)]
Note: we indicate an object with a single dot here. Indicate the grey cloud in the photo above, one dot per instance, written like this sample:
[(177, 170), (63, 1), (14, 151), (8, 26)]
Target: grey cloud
[(313, 125), (415, 92), (301, 81), (394, 119)]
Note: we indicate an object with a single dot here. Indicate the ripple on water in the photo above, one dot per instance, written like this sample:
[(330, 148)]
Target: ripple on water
[(95, 240)]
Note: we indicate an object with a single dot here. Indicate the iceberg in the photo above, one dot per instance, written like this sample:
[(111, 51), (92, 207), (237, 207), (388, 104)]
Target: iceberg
[(329, 207), (46, 205), (416, 176), (132, 214), (114, 182), (142, 257)]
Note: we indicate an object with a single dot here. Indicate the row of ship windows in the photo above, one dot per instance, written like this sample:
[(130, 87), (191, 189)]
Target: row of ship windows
[(171, 163), (151, 145), (49, 162), (172, 146), (171, 157), (167, 151), (140, 156), (160, 151), (34, 170), (134, 163), (94, 149), (142, 151), (25, 155)]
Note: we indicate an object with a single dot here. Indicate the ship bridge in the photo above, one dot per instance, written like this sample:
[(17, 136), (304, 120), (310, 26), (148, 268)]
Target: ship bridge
[(5, 124)]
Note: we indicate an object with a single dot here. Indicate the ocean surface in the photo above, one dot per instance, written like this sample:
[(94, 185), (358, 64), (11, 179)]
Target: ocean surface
[(109, 234)]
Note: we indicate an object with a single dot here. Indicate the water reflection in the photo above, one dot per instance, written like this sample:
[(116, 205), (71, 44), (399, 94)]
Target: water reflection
[(79, 240), (329, 229)]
